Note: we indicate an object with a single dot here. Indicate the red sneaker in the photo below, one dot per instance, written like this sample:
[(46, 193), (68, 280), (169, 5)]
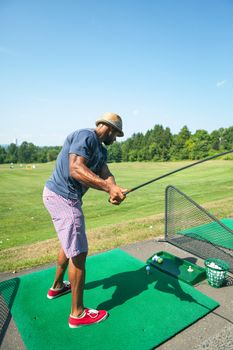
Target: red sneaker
[(88, 317), (54, 293)]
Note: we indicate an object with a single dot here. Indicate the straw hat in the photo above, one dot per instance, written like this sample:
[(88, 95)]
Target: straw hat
[(113, 120)]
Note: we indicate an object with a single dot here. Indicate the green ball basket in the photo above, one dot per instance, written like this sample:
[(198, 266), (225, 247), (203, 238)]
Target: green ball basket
[(216, 277)]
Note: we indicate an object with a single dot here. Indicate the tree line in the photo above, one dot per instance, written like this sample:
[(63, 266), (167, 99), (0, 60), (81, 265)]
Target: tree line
[(157, 144), (27, 152)]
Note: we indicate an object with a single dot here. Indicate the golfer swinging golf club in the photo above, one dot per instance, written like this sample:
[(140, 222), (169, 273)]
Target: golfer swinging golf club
[(82, 163)]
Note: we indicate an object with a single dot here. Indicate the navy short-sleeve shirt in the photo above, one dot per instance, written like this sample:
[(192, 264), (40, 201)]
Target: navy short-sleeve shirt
[(85, 143)]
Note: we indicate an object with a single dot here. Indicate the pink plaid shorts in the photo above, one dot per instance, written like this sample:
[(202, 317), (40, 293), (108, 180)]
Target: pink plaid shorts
[(69, 223)]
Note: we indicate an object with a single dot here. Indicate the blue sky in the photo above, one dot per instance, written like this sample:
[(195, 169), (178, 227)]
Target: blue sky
[(64, 63)]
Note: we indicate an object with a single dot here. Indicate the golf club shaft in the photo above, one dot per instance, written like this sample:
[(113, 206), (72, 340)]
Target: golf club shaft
[(175, 171)]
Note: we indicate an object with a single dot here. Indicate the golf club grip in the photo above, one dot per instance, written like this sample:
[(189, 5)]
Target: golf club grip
[(127, 192)]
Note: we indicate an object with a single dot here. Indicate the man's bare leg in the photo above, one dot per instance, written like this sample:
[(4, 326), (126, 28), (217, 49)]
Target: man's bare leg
[(62, 263), (77, 279)]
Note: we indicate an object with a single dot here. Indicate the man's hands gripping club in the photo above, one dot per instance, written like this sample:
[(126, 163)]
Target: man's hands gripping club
[(117, 194), (104, 182)]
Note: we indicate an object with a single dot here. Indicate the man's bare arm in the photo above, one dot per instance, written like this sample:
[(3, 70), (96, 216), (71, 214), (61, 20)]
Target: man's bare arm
[(80, 172), (107, 175)]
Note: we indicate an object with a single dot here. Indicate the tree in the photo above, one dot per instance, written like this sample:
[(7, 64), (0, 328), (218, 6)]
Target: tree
[(2, 155), (201, 145), (215, 140), (42, 154), (162, 141), (179, 150), (227, 138), (27, 153), (126, 147), (132, 156), (115, 152), (12, 153), (52, 154)]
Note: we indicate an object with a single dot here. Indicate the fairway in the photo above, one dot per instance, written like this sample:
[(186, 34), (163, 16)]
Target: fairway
[(24, 220)]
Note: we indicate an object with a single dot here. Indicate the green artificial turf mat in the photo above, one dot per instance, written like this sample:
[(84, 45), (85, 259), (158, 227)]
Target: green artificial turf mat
[(213, 232), (145, 310)]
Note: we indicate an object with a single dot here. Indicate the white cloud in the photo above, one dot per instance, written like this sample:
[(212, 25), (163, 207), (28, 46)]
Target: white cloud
[(220, 83)]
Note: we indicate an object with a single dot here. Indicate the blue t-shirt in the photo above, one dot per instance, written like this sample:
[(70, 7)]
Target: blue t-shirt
[(84, 143)]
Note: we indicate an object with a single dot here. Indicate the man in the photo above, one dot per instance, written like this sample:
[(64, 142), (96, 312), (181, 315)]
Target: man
[(82, 163)]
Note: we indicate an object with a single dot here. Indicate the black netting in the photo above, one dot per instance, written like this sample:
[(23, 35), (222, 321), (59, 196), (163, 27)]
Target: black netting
[(192, 228)]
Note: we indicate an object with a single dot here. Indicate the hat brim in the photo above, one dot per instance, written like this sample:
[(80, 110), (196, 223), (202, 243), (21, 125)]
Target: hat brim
[(120, 132)]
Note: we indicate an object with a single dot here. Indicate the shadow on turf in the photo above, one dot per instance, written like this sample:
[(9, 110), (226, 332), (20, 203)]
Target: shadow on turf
[(132, 283), (8, 290)]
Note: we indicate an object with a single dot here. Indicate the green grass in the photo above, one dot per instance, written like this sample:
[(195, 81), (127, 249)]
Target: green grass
[(24, 220)]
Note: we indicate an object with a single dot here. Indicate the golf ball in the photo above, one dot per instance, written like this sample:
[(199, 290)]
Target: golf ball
[(214, 266), (157, 258)]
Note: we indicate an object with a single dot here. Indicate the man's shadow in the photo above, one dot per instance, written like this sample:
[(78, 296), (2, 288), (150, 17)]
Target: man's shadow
[(130, 284)]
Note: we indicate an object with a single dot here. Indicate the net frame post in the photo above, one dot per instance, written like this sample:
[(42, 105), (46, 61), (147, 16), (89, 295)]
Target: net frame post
[(166, 214)]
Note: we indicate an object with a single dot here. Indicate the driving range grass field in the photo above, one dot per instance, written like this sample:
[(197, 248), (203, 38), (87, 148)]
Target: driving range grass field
[(27, 236)]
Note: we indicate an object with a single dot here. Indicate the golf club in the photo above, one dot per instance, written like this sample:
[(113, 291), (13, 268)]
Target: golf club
[(176, 171)]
